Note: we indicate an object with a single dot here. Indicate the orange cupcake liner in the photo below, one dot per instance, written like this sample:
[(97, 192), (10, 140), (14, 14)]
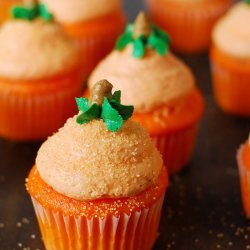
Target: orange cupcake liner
[(175, 132), (5, 8), (33, 110), (137, 230), (231, 77), (177, 148), (243, 154), (122, 223), (97, 37), (189, 28)]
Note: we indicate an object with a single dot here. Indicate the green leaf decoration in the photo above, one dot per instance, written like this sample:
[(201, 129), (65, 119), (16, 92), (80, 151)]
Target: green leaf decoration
[(30, 13), (157, 44), (117, 96), (125, 38), (111, 117), (124, 111), (139, 48), (247, 1), (112, 112), (158, 40)]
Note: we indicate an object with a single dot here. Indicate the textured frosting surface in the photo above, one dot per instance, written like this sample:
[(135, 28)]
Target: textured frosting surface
[(33, 50), (87, 162), (146, 83), (232, 33), (71, 11)]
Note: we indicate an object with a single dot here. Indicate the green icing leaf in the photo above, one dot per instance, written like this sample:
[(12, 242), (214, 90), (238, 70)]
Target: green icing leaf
[(111, 117), (125, 111), (44, 13), (31, 13), (125, 38), (82, 104), (90, 114), (116, 96), (247, 1), (157, 40), (138, 48), (158, 45)]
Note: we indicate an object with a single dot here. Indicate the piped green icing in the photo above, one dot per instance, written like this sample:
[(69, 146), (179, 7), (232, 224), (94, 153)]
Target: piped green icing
[(31, 12), (247, 1), (111, 111), (158, 40)]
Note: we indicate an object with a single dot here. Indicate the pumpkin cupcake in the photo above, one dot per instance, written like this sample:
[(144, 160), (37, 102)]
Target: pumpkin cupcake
[(96, 24), (243, 158), (160, 86), (99, 182), (230, 60), (40, 74), (188, 22)]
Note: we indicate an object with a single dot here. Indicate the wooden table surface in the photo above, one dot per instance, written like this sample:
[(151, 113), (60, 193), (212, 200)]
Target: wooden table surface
[(202, 208)]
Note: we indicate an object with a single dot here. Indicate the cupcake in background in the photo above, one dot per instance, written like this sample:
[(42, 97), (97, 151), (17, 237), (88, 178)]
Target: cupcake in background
[(99, 182), (40, 74), (5, 6), (243, 159), (96, 24), (230, 60), (188, 22), (161, 88)]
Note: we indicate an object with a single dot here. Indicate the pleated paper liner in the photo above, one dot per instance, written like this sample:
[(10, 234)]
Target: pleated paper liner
[(231, 78), (243, 159), (174, 132), (189, 27), (34, 110), (97, 37), (124, 224)]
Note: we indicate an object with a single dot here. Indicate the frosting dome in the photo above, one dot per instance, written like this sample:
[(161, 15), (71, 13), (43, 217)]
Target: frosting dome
[(81, 10), (147, 83), (232, 32), (37, 49), (89, 162)]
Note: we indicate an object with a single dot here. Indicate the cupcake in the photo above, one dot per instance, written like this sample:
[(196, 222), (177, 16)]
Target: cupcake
[(243, 158), (96, 24), (189, 22), (230, 60), (5, 6), (40, 74), (161, 88), (99, 182)]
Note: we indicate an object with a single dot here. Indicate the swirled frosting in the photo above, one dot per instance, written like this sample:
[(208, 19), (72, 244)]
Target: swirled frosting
[(71, 11), (232, 33), (146, 83), (33, 50), (89, 162)]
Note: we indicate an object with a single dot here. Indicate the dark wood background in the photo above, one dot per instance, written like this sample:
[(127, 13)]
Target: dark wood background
[(202, 210)]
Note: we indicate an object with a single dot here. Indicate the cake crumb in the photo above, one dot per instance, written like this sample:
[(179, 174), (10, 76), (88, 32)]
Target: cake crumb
[(32, 236), (1, 225), (18, 224), (25, 220)]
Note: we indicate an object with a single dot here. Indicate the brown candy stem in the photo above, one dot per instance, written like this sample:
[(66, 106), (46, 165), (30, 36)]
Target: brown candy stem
[(101, 89), (141, 26)]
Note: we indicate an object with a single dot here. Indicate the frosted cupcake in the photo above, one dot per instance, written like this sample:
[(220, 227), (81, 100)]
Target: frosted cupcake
[(40, 74), (161, 87), (96, 24), (99, 182), (230, 60), (188, 22)]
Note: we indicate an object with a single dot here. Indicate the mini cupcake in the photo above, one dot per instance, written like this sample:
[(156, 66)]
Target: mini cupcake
[(243, 158), (5, 6), (160, 86), (99, 182), (96, 24), (230, 60), (40, 74), (188, 22)]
